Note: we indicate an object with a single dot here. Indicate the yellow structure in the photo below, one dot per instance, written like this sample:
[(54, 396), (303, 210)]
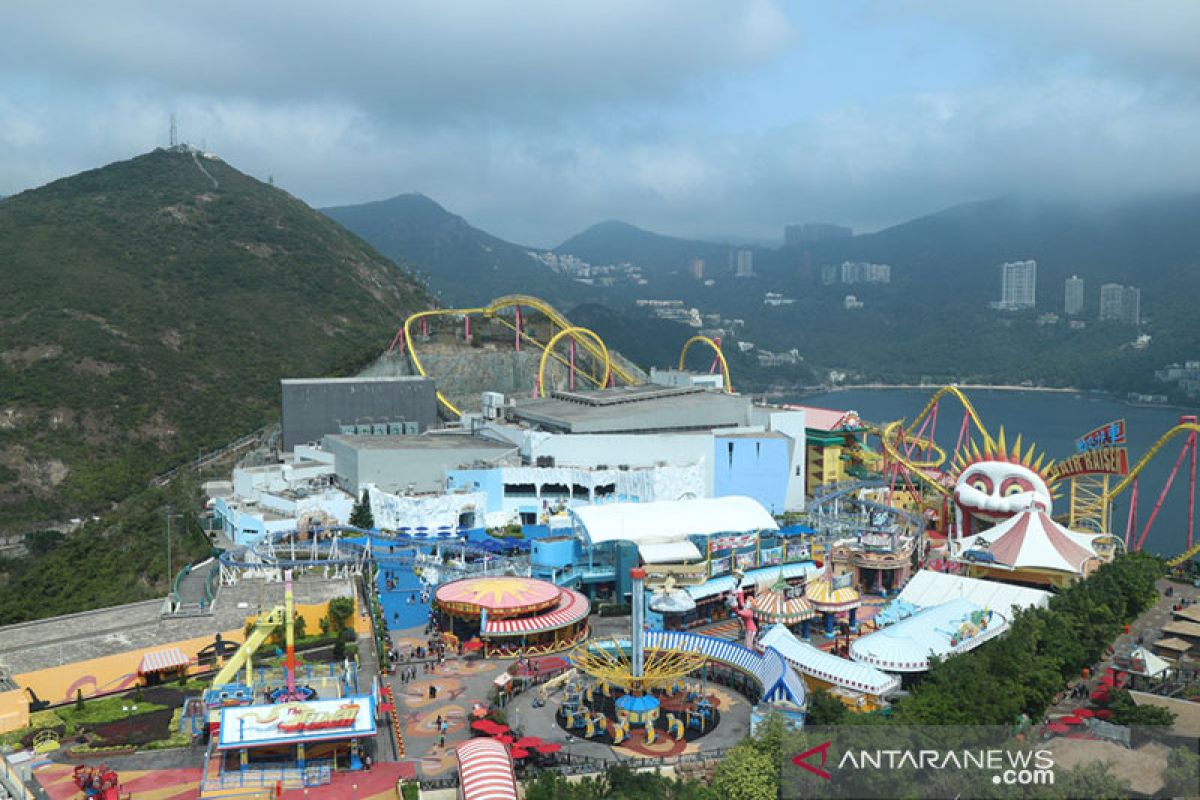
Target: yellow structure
[(14, 710), (716, 348)]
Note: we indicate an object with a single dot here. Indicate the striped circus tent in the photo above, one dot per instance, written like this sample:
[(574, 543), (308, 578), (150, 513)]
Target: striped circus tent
[(776, 606), (485, 771), (829, 594)]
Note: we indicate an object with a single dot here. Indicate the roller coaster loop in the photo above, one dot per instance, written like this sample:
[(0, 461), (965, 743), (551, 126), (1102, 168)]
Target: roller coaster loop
[(716, 348), (404, 336), (576, 333)]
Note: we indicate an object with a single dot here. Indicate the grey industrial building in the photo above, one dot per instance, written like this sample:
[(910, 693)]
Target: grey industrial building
[(314, 407), (633, 409), (416, 464)]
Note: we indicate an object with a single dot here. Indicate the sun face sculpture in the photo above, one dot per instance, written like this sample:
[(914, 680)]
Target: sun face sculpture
[(993, 484)]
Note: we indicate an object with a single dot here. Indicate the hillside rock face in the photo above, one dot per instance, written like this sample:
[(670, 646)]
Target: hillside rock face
[(150, 308)]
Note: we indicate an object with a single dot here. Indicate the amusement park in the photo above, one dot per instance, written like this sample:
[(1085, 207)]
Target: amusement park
[(505, 552)]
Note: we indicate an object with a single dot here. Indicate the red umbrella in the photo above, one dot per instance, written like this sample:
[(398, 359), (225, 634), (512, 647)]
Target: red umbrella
[(484, 725), (527, 742), (1057, 727), (1070, 720), (504, 739), (498, 728), (1100, 695), (1084, 713), (519, 753), (1104, 713), (549, 748), (474, 644)]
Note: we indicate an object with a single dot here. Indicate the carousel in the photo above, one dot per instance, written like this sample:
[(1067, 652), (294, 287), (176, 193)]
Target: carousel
[(784, 604), (507, 616)]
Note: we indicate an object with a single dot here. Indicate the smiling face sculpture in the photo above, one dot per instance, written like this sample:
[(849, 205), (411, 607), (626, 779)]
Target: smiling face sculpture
[(993, 484)]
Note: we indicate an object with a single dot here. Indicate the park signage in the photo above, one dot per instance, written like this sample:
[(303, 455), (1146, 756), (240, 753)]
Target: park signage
[(337, 718), (1099, 461), (1108, 435)]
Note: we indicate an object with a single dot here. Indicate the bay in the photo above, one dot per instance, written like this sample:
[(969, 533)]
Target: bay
[(1053, 420)]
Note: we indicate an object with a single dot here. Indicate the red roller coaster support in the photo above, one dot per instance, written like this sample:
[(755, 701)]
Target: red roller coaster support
[(397, 341), (424, 326), (466, 327), (517, 336), (1189, 447), (716, 362), (1131, 520), (964, 434), (571, 379)]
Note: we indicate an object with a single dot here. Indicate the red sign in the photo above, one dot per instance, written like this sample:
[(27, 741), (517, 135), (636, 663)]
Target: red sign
[(1112, 433)]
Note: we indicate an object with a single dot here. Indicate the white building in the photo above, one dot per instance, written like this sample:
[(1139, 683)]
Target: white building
[(1018, 285), (1073, 294), (1121, 303), (745, 264)]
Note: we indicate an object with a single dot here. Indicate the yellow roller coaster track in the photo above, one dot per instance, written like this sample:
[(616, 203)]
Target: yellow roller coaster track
[(577, 334), (491, 311), (894, 433), (1127, 481), (716, 348)]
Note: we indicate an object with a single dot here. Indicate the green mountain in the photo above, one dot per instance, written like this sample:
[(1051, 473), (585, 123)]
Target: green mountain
[(149, 309), (463, 264), (614, 242)]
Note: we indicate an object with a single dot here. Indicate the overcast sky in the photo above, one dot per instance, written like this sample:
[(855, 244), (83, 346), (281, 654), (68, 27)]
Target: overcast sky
[(692, 117)]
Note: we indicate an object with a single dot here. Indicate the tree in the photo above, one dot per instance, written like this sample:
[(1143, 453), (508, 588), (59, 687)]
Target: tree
[(746, 773), (824, 709), (361, 516), (339, 610), (1127, 712), (1182, 775)]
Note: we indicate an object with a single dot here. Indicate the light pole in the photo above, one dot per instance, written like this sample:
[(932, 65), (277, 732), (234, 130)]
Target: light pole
[(129, 710)]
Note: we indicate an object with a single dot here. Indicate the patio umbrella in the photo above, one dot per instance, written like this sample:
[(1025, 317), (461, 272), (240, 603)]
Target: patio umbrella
[(1104, 713), (519, 753), (527, 742), (473, 644), (500, 728), (1070, 720), (1100, 695), (549, 748), (1084, 713), (1057, 727), (484, 726), (504, 739)]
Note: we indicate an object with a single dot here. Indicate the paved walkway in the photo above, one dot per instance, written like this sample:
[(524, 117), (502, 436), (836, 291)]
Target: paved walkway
[(1148, 627)]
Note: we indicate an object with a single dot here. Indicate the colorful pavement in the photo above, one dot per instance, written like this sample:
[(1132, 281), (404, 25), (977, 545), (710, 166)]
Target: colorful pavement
[(379, 783)]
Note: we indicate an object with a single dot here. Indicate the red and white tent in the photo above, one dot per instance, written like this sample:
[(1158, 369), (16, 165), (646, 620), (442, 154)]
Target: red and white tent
[(160, 660), (485, 771), (1031, 540)]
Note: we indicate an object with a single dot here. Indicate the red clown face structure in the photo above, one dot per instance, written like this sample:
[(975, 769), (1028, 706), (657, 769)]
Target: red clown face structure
[(992, 485)]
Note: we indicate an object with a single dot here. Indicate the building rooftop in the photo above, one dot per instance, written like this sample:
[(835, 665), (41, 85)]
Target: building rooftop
[(31, 646), (1187, 713), (672, 520), (634, 409), (377, 379), (1181, 628), (433, 441)]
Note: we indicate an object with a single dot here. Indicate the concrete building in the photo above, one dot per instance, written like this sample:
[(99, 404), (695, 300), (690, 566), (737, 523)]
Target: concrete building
[(745, 264), (696, 268), (1018, 285), (409, 464), (632, 409), (1121, 304), (675, 377), (314, 407), (1073, 295)]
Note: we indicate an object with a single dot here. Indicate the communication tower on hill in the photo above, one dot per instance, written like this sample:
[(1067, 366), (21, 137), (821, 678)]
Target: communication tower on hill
[(174, 133)]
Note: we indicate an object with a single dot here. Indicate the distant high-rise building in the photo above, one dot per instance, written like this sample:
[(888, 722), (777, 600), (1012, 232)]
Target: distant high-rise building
[(814, 232), (865, 272), (1018, 285), (696, 268), (1074, 295), (1121, 303), (745, 264), (829, 274)]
